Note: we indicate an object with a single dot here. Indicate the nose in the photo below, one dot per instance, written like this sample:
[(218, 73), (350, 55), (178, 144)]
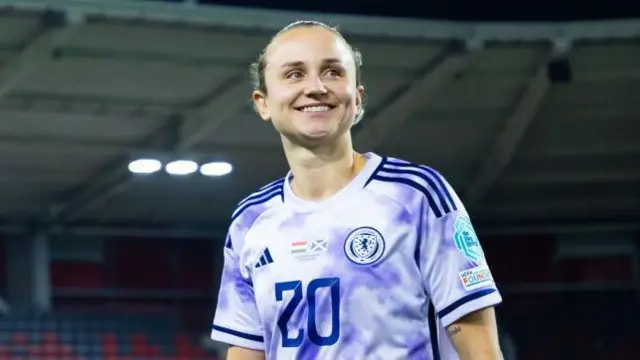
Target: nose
[(315, 86)]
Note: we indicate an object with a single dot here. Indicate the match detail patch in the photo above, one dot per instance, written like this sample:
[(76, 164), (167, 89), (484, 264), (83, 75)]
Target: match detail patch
[(476, 277)]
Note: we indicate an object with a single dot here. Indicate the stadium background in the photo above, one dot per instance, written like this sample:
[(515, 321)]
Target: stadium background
[(531, 111)]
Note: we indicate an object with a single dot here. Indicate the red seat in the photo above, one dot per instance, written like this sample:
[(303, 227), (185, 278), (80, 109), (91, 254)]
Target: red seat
[(197, 352), (51, 349), (35, 351), (65, 350), (138, 339), (182, 344), (183, 351), (50, 338), (109, 350), (154, 351), (139, 350), (108, 338), (20, 338)]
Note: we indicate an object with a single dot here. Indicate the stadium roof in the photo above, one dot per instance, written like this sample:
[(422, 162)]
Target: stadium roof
[(458, 10), (87, 86)]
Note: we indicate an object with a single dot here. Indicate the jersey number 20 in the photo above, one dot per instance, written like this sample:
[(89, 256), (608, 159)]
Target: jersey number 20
[(333, 284)]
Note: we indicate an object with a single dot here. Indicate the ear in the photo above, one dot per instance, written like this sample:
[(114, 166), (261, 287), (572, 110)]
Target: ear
[(260, 105), (359, 98)]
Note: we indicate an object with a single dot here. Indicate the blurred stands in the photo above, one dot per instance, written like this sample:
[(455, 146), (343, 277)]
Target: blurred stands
[(117, 299), (97, 335)]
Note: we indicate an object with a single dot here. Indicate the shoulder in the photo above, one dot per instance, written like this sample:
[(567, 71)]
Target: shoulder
[(249, 209), (417, 182), (259, 200)]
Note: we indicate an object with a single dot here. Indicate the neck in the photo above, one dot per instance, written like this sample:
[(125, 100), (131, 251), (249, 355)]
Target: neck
[(321, 172)]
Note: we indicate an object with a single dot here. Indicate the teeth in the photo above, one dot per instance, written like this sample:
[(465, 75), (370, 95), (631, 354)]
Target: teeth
[(315, 108)]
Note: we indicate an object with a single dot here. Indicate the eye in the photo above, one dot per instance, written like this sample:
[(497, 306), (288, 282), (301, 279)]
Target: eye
[(294, 75), (333, 73)]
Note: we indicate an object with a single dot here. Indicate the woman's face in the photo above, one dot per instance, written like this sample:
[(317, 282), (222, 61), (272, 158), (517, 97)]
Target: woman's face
[(312, 94)]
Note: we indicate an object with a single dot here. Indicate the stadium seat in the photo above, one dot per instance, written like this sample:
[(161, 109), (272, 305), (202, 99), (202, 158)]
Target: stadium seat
[(4, 351), (50, 338), (75, 336), (20, 338)]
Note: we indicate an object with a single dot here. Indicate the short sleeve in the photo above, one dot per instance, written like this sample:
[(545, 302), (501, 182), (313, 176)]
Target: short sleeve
[(455, 271), (236, 321)]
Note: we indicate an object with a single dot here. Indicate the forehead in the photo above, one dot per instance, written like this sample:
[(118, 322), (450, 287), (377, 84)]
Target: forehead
[(307, 45)]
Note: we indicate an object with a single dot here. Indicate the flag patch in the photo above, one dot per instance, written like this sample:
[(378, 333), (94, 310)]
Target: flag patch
[(319, 245), (299, 247)]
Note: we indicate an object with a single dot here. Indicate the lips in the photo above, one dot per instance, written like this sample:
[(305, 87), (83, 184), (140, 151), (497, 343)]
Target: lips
[(315, 108)]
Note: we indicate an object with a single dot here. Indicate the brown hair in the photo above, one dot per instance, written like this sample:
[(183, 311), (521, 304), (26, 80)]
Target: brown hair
[(256, 69)]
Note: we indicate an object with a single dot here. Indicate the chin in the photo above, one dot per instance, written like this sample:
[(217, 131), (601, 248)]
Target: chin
[(314, 133), (311, 138), (315, 129), (316, 137)]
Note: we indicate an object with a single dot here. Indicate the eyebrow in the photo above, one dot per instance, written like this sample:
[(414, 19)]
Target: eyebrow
[(327, 61)]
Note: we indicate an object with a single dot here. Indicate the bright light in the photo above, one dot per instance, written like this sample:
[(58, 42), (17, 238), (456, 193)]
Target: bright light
[(218, 168), (181, 167), (144, 166)]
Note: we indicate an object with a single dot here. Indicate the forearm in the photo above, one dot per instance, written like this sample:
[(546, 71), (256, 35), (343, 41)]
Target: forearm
[(240, 353), (475, 336)]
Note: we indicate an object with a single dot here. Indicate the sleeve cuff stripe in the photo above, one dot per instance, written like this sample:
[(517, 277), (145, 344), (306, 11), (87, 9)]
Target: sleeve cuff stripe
[(258, 338), (456, 304)]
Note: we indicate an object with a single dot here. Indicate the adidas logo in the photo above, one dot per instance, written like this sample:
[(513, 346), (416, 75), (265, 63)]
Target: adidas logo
[(265, 259)]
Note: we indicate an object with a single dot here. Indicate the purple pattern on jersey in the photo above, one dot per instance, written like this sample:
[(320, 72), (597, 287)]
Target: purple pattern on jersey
[(384, 297)]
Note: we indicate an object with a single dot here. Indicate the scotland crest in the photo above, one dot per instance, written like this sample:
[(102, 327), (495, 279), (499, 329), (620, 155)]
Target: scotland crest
[(364, 246), (467, 241)]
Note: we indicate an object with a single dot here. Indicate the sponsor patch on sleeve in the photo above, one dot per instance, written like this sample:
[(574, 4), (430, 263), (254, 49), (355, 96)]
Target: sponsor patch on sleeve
[(476, 277), (467, 241)]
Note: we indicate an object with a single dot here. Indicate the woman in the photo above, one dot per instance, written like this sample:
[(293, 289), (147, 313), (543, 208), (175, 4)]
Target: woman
[(350, 256)]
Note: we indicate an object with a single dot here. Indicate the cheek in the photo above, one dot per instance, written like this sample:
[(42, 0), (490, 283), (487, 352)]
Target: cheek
[(346, 94), (278, 95), (282, 97)]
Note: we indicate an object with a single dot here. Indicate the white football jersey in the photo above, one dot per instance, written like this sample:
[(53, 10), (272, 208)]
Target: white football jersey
[(376, 271)]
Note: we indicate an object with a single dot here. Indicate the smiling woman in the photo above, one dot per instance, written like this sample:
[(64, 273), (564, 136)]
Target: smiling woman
[(316, 262)]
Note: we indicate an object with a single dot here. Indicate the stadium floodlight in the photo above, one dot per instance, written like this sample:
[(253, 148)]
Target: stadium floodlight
[(181, 167), (145, 166), (216, 168)]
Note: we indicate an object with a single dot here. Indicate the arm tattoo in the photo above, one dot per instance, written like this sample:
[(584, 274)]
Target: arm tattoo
[(454, 331)]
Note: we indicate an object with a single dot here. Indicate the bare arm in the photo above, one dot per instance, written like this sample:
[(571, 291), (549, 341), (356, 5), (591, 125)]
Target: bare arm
[(475, 336), (240, 353)]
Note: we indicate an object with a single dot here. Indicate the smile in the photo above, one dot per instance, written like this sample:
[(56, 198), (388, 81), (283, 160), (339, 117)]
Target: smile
[(315, 108)]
